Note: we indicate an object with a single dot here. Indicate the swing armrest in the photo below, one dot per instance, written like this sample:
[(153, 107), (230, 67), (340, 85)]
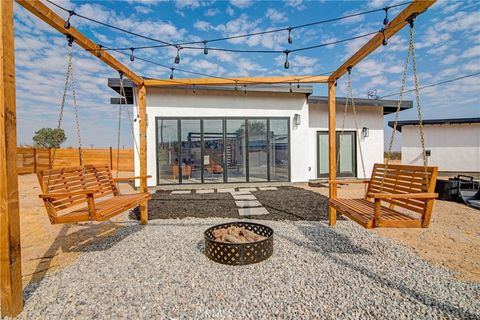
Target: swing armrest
[(421, 195), (67, 194), (131, 178), (348, 181)]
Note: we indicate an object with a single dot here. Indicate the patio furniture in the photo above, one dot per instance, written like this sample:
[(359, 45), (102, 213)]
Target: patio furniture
[(409, 187), (186, 171), (71, 187)]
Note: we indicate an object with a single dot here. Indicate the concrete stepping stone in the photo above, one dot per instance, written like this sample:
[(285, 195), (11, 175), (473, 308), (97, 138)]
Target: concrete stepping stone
[(247, 189), (244, 197), (248, 203), (225, 190), (252, 211), (236, 193), (180, 192), (201, 191), (268, 188)]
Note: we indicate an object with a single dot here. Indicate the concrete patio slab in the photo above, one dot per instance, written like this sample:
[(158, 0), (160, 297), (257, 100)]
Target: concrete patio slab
[(237, 193), (247, 189), (252, 211), (180, 192), (201, 191), (248, 203), (244, 197), (225, 190), (268, 188)]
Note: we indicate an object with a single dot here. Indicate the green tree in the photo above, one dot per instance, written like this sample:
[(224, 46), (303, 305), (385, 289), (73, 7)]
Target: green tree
[(49, 138)]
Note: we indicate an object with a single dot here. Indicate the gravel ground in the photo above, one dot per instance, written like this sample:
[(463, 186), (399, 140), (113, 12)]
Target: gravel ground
[(159, 271)]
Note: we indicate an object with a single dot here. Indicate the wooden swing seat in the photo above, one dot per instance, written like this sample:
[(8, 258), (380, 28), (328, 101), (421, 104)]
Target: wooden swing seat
[(80, 189), (411, 188)]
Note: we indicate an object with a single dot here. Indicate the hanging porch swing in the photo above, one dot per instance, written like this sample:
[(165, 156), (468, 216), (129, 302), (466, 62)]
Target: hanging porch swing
[(87, 192), (397, 196)]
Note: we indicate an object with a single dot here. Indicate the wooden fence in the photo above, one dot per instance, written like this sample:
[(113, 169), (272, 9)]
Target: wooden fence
[(29, 160)]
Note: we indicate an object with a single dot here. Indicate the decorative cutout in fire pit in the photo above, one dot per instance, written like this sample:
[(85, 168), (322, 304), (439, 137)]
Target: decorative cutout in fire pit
[(239, 253)]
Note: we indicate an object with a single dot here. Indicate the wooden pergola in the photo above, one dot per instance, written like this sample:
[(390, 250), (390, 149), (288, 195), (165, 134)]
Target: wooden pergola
[(11, 275)]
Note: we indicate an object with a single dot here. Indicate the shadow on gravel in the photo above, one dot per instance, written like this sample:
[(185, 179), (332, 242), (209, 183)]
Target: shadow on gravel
[(325, 240), (92, 237)]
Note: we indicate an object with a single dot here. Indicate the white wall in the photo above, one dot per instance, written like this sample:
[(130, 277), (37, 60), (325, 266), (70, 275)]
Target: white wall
[(454, 147), (372, 146), (209, 103), (163, 102)]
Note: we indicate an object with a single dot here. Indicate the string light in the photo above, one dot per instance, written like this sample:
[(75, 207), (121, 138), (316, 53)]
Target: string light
[(70, 40), (290, 87), (205, 49), (290, 39), (194, 88), (99, 51), (132, 57), (177, 58), (171, 73), (71, 13), (286, 64), (245, 90), (298, 84), (384, 41), (385, 21)]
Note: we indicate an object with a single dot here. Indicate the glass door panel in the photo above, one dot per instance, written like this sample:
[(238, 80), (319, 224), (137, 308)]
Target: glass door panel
[(191, 151), (322, 147), (346, 150), (167, 151), (257, 150), (235, 150), (279, 149), (213, 151)]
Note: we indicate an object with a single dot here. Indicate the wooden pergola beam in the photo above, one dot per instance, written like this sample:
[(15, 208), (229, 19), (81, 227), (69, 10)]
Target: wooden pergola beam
[(397, 24), (11, 295), (238, 81), (54, 20)]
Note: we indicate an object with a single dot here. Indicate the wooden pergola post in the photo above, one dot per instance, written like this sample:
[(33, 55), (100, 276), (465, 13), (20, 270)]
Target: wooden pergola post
[(332, 151), (142, 110), (10, 255)]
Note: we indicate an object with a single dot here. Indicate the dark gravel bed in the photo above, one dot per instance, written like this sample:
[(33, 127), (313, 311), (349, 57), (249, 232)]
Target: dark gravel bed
[(286, 203)]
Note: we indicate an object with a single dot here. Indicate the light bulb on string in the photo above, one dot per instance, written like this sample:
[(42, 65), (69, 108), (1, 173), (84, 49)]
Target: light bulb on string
[(385, 21), (171, 73), (194, 88), (66, 25), (286, 64), (290, 39), (385, 40), (205, 49), (177, 58), (132, 57), (290, 88)]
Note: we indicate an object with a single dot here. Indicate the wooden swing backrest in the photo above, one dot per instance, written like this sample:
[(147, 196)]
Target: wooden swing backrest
[(404, 179), (71, 179)]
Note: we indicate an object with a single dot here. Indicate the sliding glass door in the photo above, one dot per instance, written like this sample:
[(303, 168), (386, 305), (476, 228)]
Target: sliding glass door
[(216, 150), (346, 154)]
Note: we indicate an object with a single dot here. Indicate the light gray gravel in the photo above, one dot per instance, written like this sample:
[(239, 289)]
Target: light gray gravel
[(159, 272)]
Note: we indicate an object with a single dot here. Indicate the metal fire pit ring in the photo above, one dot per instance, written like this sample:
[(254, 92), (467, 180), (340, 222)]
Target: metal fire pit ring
[(239, 253)]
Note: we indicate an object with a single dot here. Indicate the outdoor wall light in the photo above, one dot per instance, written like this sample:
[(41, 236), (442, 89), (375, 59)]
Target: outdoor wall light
[(365, 132), (296, 119)]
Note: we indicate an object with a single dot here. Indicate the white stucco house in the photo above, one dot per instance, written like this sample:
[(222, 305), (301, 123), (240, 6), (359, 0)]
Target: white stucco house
[(268, 134), (451, 144)]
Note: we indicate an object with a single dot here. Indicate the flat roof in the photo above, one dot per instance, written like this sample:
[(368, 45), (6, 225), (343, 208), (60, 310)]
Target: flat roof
[(114, 83), (402, 123), (389, 106)]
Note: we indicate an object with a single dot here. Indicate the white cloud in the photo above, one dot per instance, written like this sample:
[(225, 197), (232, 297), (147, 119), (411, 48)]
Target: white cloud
[(212, 12), (275, 15), (143, 10), (230, 11), (296, 4), (451, 58), (202, 25), (472, 52), (191, 4), (242, 4)]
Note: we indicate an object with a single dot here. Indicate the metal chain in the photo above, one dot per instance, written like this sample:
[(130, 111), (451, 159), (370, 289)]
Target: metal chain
[(419, 108), (356, 126), (119, 128), (60, 115), (399, 105), (343, 125), (130, 118)]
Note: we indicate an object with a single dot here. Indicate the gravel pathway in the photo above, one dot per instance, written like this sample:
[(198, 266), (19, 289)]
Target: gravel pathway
[(159, 271)]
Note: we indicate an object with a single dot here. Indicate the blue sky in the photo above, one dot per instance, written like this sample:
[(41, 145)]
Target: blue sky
[(447, 42)]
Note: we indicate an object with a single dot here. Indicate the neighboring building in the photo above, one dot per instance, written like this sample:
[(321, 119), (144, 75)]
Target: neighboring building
[(219, 134), (452, 144)]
